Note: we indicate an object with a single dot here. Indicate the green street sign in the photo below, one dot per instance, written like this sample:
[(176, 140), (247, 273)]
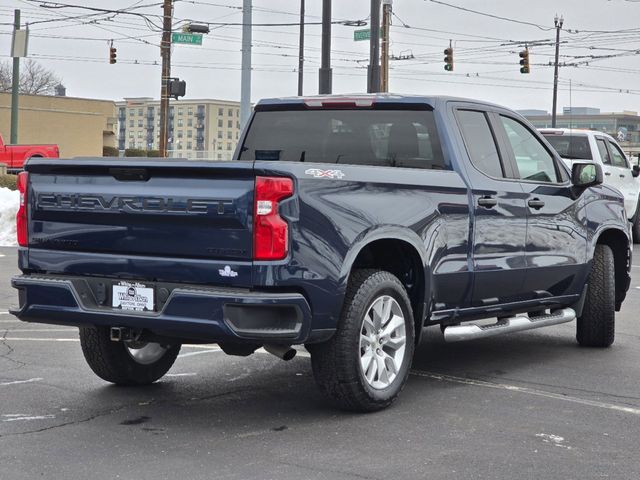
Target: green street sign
[(359, 35), (188, 38)]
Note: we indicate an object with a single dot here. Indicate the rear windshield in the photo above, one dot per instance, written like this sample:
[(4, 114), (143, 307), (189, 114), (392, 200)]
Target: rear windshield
[(571, 146), (391, 138)]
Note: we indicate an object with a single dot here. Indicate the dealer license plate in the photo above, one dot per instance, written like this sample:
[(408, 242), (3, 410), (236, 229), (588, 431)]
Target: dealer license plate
[(132, 296)]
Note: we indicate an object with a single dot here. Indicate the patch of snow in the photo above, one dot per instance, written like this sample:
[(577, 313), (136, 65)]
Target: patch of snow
[(9, 203)]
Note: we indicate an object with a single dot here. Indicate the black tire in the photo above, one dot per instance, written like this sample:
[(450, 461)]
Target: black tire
[(635, 225), (596, 326), (337, 362), (112, 361)]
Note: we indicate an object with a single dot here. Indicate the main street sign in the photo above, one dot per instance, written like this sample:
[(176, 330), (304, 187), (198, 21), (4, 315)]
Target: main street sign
[(188, 38)]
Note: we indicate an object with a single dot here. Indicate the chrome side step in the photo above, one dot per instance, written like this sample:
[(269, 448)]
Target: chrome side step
[(459, 333)]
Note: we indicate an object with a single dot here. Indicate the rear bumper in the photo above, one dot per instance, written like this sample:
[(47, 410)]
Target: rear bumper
[(189, 311)]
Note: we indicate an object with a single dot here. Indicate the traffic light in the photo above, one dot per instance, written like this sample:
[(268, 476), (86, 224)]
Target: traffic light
[(112, 55), (177, 88), (524, 61), (448, 59)]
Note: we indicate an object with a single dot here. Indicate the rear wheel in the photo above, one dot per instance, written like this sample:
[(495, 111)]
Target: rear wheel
[(365, 365), (125, 363), (596, 326)]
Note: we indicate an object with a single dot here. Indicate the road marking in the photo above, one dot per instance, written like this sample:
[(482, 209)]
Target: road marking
[(2, 255), (18, 339), (12, 321), (21, 416), (529, 391), (26, 330), (180, 374), (4, 312), (17, 382), (191, 354)]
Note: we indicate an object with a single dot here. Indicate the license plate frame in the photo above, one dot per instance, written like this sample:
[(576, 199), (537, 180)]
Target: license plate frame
[(133, 296)]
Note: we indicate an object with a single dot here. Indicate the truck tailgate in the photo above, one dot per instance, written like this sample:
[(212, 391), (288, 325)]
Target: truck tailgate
[(160, 209)]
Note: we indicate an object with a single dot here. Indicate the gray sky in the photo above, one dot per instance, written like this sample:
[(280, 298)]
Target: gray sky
[(486, 57)]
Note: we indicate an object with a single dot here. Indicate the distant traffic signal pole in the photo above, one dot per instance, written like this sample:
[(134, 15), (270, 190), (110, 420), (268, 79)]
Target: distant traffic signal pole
[(374, 48), (165, 52), (301, 51), (325, 82), (15, 84), (558, 23), (386, 23)]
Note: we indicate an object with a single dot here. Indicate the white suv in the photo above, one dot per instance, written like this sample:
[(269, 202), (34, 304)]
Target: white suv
[(575, 145)]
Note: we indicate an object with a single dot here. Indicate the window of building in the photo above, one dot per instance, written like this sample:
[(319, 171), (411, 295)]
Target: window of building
[(228, 146), (230, 124), (220, 111), (190, 122), (180, 110), (131, 122), (190, 111), (139, 134), (189, 133), (534, 162), (131, 112), (237, 135), (189, 145), (140, 112), (139, 122), (180, 122), (230, 112), (237, 125), (220, 123), (130, 134), (179, 133), (219, 156), (230, 135), (219, 133)]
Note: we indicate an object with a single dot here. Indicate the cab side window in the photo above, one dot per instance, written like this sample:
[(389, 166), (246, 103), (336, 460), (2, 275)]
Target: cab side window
[(480, 142), (618, 158), (534, 162), (604, 152)]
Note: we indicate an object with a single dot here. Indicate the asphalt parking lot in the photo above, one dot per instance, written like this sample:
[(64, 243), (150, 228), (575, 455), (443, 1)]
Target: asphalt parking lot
[(529, 405)]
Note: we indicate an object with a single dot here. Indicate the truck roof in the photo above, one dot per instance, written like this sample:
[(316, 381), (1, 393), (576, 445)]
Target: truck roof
[(365, 100)]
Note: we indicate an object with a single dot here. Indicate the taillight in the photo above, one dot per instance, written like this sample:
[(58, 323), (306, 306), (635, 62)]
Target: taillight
[(270, 231), (21, 216)]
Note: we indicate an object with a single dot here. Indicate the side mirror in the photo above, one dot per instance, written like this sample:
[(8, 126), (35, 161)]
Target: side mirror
[(586, 174), (635, 170)]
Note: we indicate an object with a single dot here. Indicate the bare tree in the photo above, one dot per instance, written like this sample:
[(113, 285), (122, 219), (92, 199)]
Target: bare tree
[(34, 78)]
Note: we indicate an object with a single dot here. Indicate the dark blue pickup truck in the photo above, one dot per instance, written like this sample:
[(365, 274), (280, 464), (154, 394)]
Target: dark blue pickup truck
[(346, 224)]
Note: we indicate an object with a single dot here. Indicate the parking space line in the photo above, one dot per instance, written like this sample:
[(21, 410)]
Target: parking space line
[(39, 330), (17, 382), (525, 390), (201, 352), (32, 339)]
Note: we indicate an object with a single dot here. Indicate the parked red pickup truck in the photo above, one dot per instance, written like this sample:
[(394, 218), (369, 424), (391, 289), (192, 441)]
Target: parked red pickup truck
[(14, 156)]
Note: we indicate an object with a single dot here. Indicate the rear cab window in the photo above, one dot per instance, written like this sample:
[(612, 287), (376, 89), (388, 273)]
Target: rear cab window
[(377, 137), (572, 147)]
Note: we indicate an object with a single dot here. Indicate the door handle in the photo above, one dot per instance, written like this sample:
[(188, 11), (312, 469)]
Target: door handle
[(607, 174), (487, 201), (536, 203)]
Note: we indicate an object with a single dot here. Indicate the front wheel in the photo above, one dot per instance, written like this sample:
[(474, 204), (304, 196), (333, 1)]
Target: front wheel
[(365, 365), (596, 326), (125, 363)]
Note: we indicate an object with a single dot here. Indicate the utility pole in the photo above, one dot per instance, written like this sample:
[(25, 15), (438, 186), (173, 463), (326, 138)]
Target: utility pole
[(15, 86), (558, 23), (325, 86), (374, 48), (245, 79), (301, 51), (386, 24), (165, 52)]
